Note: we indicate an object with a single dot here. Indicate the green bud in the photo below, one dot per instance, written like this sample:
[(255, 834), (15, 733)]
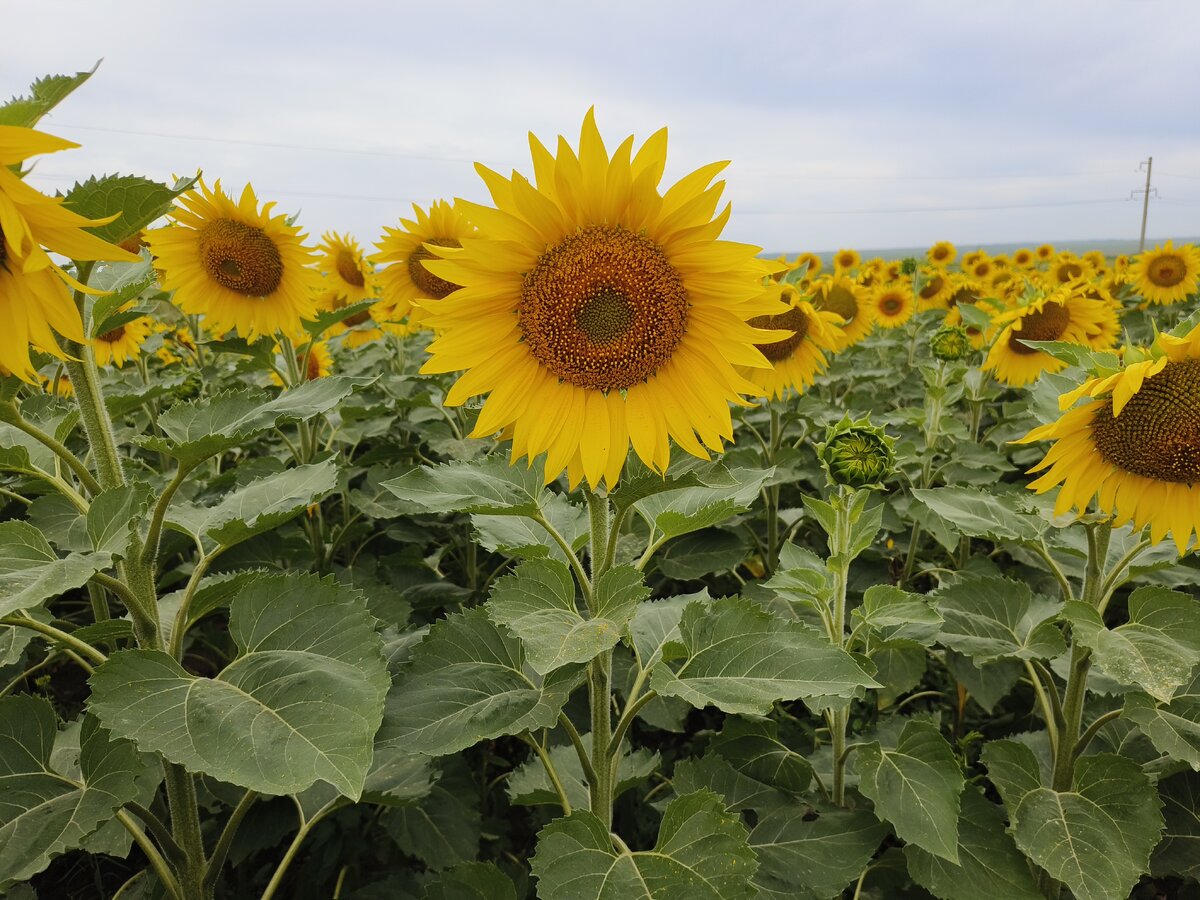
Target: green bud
[(857, 454), (908, 265), (190, 388), (951, 342)]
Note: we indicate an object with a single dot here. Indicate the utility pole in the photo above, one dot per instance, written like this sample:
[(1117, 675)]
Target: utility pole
[(1148, 163)]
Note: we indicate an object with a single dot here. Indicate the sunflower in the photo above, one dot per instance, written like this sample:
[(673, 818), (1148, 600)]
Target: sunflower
[(941, 254), (1024, 258), (812, 261), (981, 269), (966, 292), (1134, 446), (1166, 274), (121, 343), (1096, 261), (846, 260), (893, 305), (969, 259), (839, 294), (1063, 315), (601, 313), (796, 360), (177, 340), (33, 306), (364, 326), (935, 289), (313, 361), (1044, 253), (404, 251), (1067, 268), (346, 269), (894, 271), (241, 268)]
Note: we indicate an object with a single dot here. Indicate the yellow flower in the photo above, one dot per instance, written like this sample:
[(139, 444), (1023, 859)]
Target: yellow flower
[(346, 269), (313, 361), (936, 290), (969, 259), (1067, 268), (121, 343), (796, 360), (239, 267), (1134, 447), (600, 313), (941, 254), (845, 260), (406, 281), (812, 261), (1024, 258), (839, 294), (1095, 261), (893, 305), (1044, 253), (1166, 274)]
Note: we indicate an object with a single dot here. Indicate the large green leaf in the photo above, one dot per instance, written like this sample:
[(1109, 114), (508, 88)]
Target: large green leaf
[(1158, 647), (44, 812), (300, 704), (753, 747), (989, 863), (980, 514), (701, 854), (30, 570), (442, 829), (722, 494), (1178, 853), (741, 659), (1173, 728), (530, 785), (537, 603), (468, 681), (44, 94), (490, 485), (136, 202), (1095, 838), (989, 618), (739, 791), (114, 515), (472, 881), (197, 429), (897, 614), (812, 854), (916, 787), (527, 539), (655, 624)]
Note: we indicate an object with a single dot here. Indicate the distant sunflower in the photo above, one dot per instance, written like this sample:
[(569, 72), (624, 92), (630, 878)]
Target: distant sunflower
[(981, 269), (121, 343), (894, 271), (1063, 315), (967, 292), (1024, 258), (941, 254), (313, 361), (1134, 447), (1044, 252), (1096, 261), (969, 259), (238, 267), (935, 290), (1120, 268), (346, 269), (405, 250), (1066, 268), (846, 260), (600, 313), (812, 261), (796, 360), (893, 305), (839, 294), (1166, 274)]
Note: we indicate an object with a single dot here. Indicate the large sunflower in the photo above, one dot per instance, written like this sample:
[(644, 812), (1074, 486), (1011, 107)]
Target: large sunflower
[(1135, 446), (839, 294), (346, 269), (240, 268), (795, 360), (893, 305), (33, 306), (1063, 315), (121, 343), (404, 251), (936, 289), (1166, 274), (600, 313), (1067, 268)]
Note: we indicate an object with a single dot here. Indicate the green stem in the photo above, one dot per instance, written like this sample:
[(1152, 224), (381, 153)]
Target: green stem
[(604, 766), (62, 637), (12, 415), (154, 535), (580, 750), (185, 827), (632, 708), (165, 876), (839, 719), (576, 566), (551, 772), (225, 841), (179, 626)]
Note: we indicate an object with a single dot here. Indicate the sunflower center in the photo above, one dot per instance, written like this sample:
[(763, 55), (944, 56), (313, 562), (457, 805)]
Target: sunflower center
[(240, 257), (357, 319), (1157, 434), (1069, 271), (347, 268), (839, 300), (427, 283), (891, 305), (1047, 324), (1166, 270), (933, 287), (111, 337), (604, 309), (794, 320), (963, 295)]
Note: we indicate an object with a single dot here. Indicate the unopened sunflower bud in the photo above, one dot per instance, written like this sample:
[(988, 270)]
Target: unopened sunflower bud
[(857, 454), (908, 265), (950, 342)]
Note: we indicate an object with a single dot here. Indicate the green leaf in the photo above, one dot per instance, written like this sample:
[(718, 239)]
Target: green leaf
[(44, 94), (807, 854), (739, 791), (989, 618), (980, 514), (527, 539), (701, 854), (468, 681), (197, 429), (990, 865), (530, 785), (472, 881), (326, 319), (901, 613), (753, 747), (915, 787), (537, 602), (1095, 838), (300, 704), (655, 624), (136, 202), (900, 665), (1158, 647), (1100, 361), (30, 570), (741, 659), (703, 553), (114, 515), (1173, 728), (124, 282), (44, 813), (723, 493), (1179, 851), (489, 485), (444, 828)]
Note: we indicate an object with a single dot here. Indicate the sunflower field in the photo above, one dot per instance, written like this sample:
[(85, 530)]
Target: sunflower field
[(556, 547)]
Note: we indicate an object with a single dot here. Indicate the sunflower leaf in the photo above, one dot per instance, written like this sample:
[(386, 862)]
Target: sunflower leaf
[(490, 486), (327, 318), (472, 881), (723, 493), (979, 514), (31, 572), (530, 785), (987, 617), (44, 94), (135, 201), (812, 856), (1179, 851)]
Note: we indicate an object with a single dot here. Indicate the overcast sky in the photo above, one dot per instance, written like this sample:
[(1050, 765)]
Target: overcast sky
[(864, 124)]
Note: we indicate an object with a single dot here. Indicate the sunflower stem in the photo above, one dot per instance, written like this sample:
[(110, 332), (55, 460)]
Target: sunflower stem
[(604, 762), (838, 719)]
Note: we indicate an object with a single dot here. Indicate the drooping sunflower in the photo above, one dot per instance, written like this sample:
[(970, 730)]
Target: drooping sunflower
[(1134, 446), (404, 251), (965, 291), (969, 259), (1024, 258), (34, 302), (812, 261), (1067, 268), (239, 267), (893, 305), (178, 344), (936, 289), (941, 254), (1044, 252), (846, 260), (1096, 261), (346, 269), (798, 359), (1062, 315), (600, 313), (872, 272), (121, 343), (1166, 274), (839, 294)]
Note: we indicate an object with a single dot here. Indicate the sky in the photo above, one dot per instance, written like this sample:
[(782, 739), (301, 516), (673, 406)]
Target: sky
[(848, 124)]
